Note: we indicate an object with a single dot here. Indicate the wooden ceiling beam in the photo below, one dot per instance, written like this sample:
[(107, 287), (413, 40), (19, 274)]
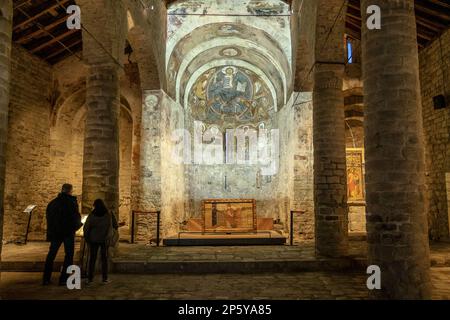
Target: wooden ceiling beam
[(20, 5), (58, 52), (55, 39), (421, 7), (431, 25), (40, 14), (38, 32), (440, 3)]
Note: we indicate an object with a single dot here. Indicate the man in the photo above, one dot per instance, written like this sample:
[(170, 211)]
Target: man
[(63, 220)]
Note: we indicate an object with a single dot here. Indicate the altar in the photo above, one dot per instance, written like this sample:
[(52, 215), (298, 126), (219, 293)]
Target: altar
[(227, 222)]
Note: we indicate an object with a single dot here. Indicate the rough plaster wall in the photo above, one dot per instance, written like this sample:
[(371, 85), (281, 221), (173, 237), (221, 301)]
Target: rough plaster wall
[(295, 182), (150, 154), (284, 181), (217, 11), (172, 173), (162, 179), (434, 71), (208, 181), (196, 30), (125, 170), (303, 167), (229, 181), (28, 161), (290, 189)]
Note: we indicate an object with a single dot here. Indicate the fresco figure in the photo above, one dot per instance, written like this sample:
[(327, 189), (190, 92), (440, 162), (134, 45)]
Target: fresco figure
[(228, 90)]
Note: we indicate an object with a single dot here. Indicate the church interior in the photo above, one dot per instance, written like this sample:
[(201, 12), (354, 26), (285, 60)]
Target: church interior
[(233, 139)]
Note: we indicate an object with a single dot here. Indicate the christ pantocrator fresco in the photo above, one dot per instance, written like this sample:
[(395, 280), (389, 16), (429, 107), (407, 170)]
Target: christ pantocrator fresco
[(229, 95)]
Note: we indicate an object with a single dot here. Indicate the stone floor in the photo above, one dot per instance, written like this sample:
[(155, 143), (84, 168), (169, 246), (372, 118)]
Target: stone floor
[(32, 251), (308, 285), (319, 284), (36, 251)]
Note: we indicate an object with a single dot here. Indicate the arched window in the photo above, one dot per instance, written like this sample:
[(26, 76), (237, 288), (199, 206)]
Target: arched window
[(349, 51)]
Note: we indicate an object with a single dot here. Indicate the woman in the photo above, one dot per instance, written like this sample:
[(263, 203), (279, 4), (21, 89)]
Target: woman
[(98, 232)]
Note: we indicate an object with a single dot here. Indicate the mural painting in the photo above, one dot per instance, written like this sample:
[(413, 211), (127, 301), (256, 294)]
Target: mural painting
[(355, 174), (229, 95)]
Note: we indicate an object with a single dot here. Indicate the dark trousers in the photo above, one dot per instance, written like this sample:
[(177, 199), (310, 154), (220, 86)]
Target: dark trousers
[(69, 249), (93, 250)]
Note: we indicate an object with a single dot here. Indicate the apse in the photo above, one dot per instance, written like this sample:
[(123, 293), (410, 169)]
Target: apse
[(229, 66)]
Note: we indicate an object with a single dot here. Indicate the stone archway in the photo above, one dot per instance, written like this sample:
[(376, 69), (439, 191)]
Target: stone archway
[(67, 148)]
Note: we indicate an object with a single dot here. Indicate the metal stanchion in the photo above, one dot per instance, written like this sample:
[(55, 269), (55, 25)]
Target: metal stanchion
[(132, 227), (133, 222), (158, 220), (291, 231)]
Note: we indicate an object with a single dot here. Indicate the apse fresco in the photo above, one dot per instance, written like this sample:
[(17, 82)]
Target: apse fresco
[(230, 95)]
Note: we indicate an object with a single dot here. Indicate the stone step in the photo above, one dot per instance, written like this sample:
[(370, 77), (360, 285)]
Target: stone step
[(214, 266), (243, 266), (27, 266)]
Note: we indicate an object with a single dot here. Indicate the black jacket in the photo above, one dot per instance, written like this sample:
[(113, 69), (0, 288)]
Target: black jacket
[(63, 217)]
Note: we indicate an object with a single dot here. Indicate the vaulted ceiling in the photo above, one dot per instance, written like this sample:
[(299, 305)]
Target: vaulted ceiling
[(40, 25)]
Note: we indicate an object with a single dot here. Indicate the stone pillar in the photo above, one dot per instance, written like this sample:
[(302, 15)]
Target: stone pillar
[(101, 144), (104, 34), (330, 178), (5, 73), (396, 217)]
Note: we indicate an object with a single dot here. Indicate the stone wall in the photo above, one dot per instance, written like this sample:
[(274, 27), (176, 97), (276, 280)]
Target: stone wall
[(5, 75), (303, 201), (45, 146), (27, 154), (294, 188), (434, 72), (125, 168), (303, 28)]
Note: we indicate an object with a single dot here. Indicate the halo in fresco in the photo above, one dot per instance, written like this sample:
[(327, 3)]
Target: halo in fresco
[(230, 95)]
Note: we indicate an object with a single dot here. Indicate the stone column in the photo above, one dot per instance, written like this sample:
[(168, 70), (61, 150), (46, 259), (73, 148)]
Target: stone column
[(104, 34), (330, 178), (396, 217), (101, 144), (5, 73)]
